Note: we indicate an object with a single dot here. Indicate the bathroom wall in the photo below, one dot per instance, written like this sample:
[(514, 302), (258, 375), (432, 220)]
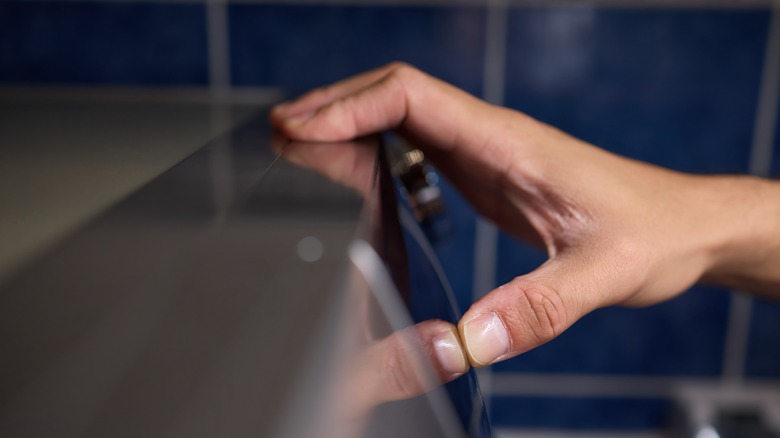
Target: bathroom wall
[(689, 85)]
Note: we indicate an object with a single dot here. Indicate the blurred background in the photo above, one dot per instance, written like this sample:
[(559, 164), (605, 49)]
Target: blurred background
[(691, 85)]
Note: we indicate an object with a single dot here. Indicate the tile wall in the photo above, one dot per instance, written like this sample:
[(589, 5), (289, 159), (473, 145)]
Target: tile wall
[(677, 86)]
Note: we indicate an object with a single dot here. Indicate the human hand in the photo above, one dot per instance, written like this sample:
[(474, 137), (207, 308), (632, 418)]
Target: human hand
[(617, 231)]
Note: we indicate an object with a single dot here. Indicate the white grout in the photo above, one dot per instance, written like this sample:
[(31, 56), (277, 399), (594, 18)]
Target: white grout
[(766, 111), (486, 234), (218, 47), (737, 334), (535, 433), (639, 4), (495, 51), (609, 385), (738, 331), (581, 385), (485, 255)]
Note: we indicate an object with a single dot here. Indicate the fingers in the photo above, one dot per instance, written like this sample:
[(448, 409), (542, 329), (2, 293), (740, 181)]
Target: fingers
[(379, 107), (398, 367), (313, 100), (535, 308), (393, 97), (350, 164)]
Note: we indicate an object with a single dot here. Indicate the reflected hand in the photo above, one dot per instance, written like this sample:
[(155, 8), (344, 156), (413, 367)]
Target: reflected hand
[(617, 231), (395, 367)]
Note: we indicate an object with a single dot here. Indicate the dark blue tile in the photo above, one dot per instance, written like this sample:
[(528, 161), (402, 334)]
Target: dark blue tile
[(763, 359), (103, 43), (683, 336), (775, 170), (300, 47), (516, 258), (579, 413), (673, 87), (455, 248)]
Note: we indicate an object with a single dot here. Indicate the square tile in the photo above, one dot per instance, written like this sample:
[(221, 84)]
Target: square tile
[(103, 43), (763, 359), (579, 414), (674, 87), (300, 47), (775, 170)]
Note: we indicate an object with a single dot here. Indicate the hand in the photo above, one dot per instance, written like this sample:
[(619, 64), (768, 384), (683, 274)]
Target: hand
[(617, 231)]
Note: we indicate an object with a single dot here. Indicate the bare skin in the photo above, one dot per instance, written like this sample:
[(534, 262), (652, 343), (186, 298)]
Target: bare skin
[(617, 231)]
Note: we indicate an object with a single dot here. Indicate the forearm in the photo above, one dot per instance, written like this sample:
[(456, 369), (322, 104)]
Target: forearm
[(745, 251)]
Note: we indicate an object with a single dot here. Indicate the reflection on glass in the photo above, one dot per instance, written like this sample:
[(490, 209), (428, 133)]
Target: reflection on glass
[(386, 379)]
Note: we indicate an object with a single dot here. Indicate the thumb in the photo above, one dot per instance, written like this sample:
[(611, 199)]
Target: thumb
[(533, 309)]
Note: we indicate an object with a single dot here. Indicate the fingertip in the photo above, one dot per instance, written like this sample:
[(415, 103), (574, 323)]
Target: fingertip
[(278, 113), (450, 354), (297, 120), (485, 339)]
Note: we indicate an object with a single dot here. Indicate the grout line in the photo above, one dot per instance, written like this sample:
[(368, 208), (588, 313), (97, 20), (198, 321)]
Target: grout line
[(218, 48), (486, 233), (537, 433), (485, 255), (485, 379), (634, 4), (495, 51), (738, 331), (608, 386), (553, 385), (766, 111)]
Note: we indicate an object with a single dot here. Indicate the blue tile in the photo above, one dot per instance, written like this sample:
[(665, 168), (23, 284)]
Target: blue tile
[(763, 359), (455, 250), (300, 47), (516, 258), (673, 87), (683, 336), (103, 43), (775, 170), (579, 413)]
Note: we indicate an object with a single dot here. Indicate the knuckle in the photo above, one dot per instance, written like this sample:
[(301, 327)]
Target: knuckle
[(542, 311), (405, 72), (628, 260), (400, 65), (320, 93), (399, 378)]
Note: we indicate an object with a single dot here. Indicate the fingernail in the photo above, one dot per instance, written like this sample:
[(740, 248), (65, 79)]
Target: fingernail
[(449, 352), (280, 107), (485, 338), (298, 119)]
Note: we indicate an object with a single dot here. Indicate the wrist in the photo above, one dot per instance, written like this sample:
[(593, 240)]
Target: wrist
[(744, 231)]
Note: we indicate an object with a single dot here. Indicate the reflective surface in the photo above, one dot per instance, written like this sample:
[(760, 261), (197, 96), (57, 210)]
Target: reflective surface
[(235, 295)]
